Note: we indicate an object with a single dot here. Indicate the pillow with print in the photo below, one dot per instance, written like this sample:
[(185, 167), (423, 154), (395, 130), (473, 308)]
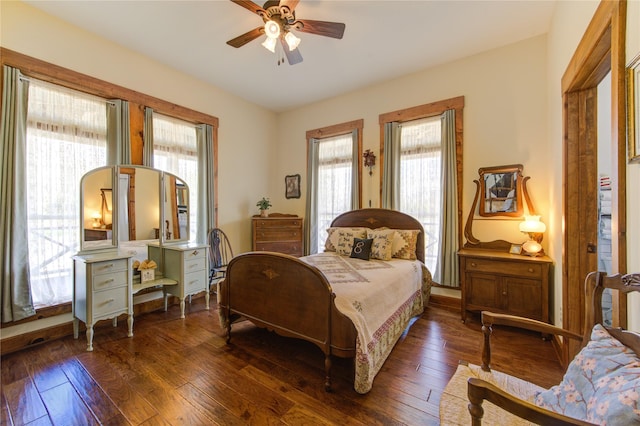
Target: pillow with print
[(346, 236), (333, 236), (382, 243), (404, 244), (361, 248)]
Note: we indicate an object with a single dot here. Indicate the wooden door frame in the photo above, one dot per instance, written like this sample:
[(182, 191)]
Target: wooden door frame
[(602, 49)]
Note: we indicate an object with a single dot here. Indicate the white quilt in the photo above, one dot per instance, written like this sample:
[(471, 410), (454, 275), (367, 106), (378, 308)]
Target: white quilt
[(380, 297)]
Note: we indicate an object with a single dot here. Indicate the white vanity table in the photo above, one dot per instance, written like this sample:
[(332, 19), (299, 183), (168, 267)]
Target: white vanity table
[(104, 280)]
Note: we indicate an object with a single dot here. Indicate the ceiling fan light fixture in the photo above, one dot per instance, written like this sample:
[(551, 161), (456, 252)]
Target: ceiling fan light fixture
[(272, 29), (292, 40), (270, 44)]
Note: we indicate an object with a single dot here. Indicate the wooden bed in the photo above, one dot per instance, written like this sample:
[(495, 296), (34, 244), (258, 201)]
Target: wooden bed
[(288, 295)]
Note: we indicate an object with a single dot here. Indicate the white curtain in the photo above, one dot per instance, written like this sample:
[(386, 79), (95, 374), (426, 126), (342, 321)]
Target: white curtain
[(15, 289), (420, 178), (334, 182), (175, 150), (66, 137)]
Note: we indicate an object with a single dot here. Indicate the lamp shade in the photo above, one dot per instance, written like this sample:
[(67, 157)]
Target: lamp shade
[(532, 224), (292, 41), (270, 44), (272, 29)]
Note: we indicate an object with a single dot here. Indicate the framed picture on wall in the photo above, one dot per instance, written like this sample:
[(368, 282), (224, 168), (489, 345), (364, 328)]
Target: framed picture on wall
[(292, 186), (633, 109)]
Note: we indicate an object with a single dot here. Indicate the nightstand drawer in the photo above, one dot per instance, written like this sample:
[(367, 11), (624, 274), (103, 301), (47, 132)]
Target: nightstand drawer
[(505, 268)]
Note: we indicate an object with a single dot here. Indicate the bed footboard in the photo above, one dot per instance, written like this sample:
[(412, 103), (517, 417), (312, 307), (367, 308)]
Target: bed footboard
[(281, 293)]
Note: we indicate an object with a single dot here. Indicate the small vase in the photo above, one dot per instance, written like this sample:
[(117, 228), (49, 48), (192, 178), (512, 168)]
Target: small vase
[(263, 213)]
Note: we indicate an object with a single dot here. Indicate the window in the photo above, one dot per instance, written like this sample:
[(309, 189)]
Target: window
[(422, 174), (335, 173), (333, 178), (420, 177), (66, 137), (175, 150)]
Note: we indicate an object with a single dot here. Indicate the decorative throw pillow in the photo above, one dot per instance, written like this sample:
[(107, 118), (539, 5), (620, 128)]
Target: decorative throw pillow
[(382, 243), (346, 237), (333, 237), (601, 384), (361, 248), (404, 244)]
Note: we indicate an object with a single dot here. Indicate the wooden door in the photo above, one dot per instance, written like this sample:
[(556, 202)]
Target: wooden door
[(602, 49)]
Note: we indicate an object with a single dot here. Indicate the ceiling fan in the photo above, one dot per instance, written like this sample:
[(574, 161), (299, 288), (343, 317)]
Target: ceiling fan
[(279, 19)]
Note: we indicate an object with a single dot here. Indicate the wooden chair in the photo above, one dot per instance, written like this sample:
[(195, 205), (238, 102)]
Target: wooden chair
[(486, 384), (220, 253)]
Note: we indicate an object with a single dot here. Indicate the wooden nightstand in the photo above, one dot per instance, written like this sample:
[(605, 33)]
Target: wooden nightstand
[(278, 232), (506, 283)]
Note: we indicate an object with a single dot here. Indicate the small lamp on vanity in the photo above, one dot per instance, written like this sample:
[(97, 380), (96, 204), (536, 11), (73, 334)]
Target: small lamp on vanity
[(97, 220), (534, 228)]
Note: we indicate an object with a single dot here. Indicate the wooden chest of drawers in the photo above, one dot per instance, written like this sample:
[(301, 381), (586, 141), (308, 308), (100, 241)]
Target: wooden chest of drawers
[(505, 283), (279, 233)]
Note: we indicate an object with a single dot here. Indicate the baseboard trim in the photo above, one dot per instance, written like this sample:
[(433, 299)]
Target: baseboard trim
[(445, 302)]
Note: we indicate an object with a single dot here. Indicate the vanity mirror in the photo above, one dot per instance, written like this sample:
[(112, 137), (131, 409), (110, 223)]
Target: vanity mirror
[(501, 191), (132, 203)]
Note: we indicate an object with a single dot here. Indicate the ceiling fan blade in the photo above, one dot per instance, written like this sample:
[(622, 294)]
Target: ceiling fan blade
[(293, 56), (246, 37), (251, 6), (290, 4), (323, 28)]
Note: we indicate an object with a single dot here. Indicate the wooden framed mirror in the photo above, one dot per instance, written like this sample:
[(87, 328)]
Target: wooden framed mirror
[(501, 191)]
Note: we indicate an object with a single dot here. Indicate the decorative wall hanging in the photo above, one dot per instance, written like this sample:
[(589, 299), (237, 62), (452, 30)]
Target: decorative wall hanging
[(292, 186)]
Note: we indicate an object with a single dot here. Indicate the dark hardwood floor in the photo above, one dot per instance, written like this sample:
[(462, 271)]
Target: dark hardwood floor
[(180, 371)]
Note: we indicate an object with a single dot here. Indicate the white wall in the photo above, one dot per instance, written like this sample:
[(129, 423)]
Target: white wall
[(504, 123)]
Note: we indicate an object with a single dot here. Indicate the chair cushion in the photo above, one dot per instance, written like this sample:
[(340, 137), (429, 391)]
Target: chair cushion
[(454, 400), (601, 385)]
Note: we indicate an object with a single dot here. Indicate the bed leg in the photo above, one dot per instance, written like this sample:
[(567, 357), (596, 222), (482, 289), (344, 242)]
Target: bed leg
[(327, 370)]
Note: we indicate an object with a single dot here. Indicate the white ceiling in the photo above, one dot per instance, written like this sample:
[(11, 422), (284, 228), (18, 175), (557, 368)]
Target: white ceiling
[(383, 40)]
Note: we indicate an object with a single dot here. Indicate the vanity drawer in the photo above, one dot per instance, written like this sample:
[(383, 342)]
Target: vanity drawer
[(506, 268), (194, 282), (194, 254), (110, 280), (110, 301), (192, 265), (110, 266)]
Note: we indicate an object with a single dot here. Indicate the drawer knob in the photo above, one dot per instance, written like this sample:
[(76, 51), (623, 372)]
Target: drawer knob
[(474, 264), (504, 293), (531, 270), (195, 253)]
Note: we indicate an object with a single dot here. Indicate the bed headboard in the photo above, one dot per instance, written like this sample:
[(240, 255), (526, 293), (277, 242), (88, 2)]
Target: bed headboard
[(378, 218)]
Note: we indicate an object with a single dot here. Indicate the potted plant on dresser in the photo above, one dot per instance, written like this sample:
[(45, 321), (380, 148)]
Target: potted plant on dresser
[(263, 205)]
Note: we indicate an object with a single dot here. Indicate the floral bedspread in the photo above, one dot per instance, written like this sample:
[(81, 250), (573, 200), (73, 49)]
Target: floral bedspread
[(380, 298)]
